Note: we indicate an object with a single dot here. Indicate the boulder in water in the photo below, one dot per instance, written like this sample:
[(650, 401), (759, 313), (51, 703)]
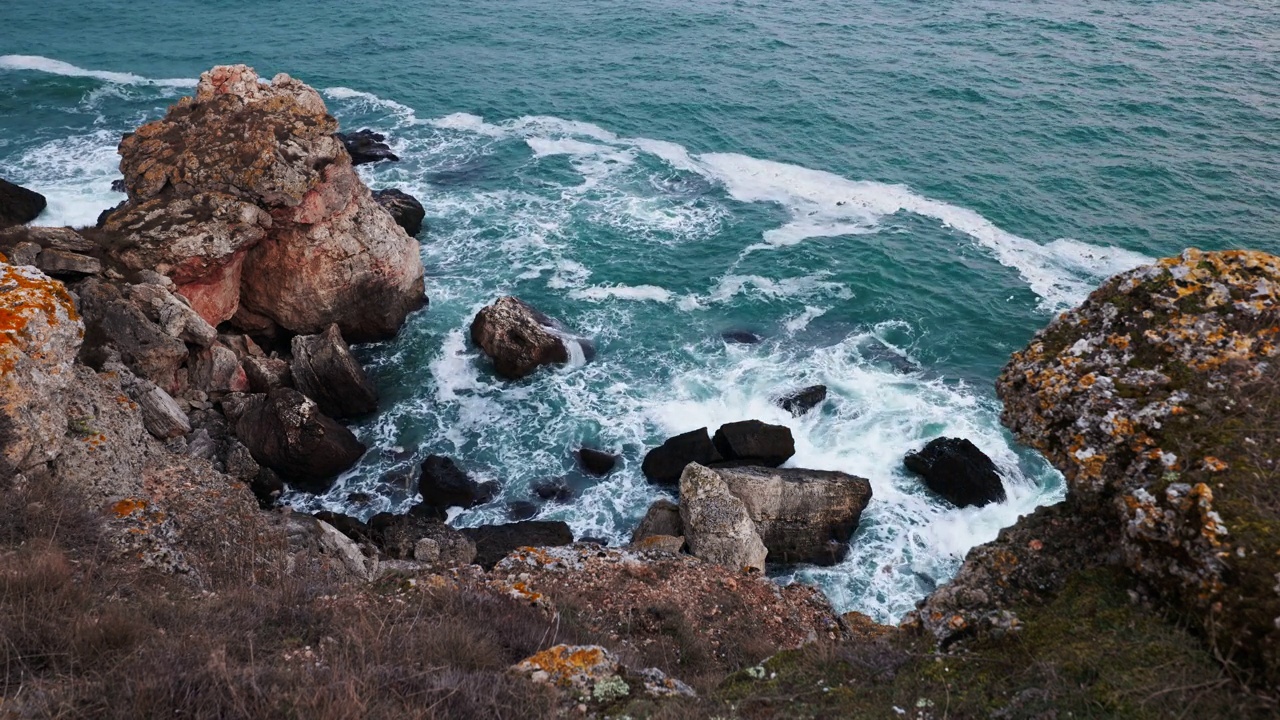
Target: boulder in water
[(518, 338), (740, 337), (802, 516), (596, 462), (552, 489), (444, 485), (19, 205), (366, 146), (957, 470), (716, 524), (664, 464), (324, 369), (405, 208), (494, 542), (755, 442), (802, 401), (286, 431)]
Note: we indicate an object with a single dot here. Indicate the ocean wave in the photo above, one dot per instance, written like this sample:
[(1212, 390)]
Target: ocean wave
[(57, 67)]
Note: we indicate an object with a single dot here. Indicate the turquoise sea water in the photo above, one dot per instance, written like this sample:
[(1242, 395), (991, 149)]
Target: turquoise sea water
[(894, 194)]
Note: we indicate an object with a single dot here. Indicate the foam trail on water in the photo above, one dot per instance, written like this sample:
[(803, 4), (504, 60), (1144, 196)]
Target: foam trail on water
[(623, 292), (74, 174), (58, 67)]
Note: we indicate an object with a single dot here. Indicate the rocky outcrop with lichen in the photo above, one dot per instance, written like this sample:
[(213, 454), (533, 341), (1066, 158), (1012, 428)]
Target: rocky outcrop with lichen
[(1157, 399)]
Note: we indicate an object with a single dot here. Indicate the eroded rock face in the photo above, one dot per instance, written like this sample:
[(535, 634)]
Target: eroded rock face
[(517, 337), (1158, 400), (801, 515), (716, 523), (116, 326), (245, 198), (958, 471), (40, 334)]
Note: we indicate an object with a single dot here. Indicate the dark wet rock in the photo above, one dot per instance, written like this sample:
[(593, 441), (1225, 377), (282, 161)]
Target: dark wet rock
[(324, 369), (663, 464), (444, 485), (596, 462), (19, 205), (359, 498), (958, 471), (802, 516), (802, 401), (662, 518), (287, 432), (494, 542), (755, 441), (117, 185), (267, 487), (556, 489), (740, 337), (879, 353), (366, 146), (264, 374), (521, 510), (517, 337), (405, 208)]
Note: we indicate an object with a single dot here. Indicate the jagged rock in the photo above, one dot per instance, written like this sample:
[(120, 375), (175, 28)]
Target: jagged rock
[(400, 537), (324, 369), (756, 442), (114, 324), (286, 431), (1156, 398), (366, 146), (518, 338), (161, 415), (405, 208), (958, 471), (216, 370), (40, 334), (494, 542), (19, 205), (336, 544), (246, 199), (239, 463), (267, 373), (664, 464), (63, 264), (444, 485), (347, 525), (243, 346), (596, 462), (801, 515), (174, 316), (23, 253), (54, 238), (740, 337), (556, 489), (716, 524), (662, 518), (267, 487), (802, 401)]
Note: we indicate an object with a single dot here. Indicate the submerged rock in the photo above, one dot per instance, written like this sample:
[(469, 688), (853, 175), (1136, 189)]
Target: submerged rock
[(802, 516), (405, 208), (664, 464), (755, 442), (716, 523), (802, 401), (286, 431), (740, 337), (19, 205), (445, 485), (553, 489), (366, 146), (494, 542), (957, 470), (518, 338), (324, 369)]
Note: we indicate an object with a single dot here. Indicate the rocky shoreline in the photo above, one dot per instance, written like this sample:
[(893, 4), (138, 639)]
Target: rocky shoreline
[(176, 365)]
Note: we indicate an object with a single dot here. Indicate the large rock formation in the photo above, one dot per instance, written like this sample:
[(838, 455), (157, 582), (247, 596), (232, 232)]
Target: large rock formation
[(40, 334), (324, 369), (517, 337), (958, 471), (18, 205), (755, 442), (716, 523), (664, 464), (1158, 399), (286, 431), (244, 197), (801, 515)]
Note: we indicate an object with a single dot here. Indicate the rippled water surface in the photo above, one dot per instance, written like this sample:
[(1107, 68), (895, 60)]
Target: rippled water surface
[(894, 194)]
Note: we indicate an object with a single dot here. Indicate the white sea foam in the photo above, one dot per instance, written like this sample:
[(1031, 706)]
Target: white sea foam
[(74, 174), (623, 292), (403, 112), (58, 67)]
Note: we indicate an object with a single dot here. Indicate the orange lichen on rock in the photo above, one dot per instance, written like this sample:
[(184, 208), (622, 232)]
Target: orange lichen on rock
[(128, 506)]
